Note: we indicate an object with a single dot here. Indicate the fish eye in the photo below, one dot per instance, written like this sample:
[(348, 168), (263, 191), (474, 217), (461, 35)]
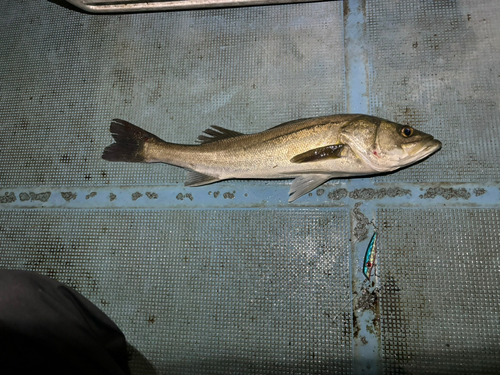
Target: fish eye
[(407, 132), (369, 264)]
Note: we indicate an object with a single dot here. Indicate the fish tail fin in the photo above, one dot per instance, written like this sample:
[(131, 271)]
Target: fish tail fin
[(129, 143)]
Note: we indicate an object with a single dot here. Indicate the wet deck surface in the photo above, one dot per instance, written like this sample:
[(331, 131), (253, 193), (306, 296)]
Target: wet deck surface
[(230, 278)]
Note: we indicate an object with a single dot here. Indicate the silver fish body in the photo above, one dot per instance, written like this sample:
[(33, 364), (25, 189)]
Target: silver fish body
[(310, 150)]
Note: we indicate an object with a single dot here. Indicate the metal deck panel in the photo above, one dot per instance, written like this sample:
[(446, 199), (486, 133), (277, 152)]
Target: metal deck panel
[(230, 278)]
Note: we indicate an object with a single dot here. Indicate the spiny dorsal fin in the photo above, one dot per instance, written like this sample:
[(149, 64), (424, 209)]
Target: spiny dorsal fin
[(216, 133), (321, 153)]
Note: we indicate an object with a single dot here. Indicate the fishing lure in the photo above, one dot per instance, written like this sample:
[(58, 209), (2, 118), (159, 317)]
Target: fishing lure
[(371, 253)]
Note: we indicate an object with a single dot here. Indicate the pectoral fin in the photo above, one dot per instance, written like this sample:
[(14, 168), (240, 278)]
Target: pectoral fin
[(304, 184), (321, 153)]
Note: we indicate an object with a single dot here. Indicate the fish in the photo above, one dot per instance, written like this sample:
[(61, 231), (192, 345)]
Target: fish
[(312, 150), (371, 254)]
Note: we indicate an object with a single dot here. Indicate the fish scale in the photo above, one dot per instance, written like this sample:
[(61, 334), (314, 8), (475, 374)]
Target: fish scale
[(310, 150)]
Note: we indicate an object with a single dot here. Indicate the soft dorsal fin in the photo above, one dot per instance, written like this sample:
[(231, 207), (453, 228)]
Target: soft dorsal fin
[(321, 153), (216, 133)]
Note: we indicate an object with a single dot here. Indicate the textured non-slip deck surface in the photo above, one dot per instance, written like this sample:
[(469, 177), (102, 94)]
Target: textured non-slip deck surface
[(435, 321), (224, 291), (230, 278), (435, 65), (65, 75)]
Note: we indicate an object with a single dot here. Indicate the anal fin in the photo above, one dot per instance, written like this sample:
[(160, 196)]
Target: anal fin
[(194, 178), (305, 183)]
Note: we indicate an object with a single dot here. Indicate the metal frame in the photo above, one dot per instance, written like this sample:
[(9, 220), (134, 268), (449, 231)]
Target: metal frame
[(123, 6)]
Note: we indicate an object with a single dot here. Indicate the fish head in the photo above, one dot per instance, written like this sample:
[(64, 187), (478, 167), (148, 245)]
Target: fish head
[(385, 145)]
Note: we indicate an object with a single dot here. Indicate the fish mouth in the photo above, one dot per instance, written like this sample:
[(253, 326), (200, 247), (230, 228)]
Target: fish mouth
[(431, 146), (422, 150)]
